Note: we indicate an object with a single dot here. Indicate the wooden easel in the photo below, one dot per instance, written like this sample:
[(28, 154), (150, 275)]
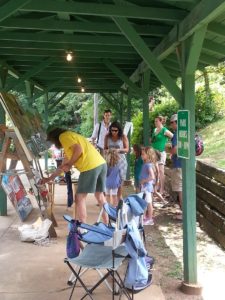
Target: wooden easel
[(19, 155)]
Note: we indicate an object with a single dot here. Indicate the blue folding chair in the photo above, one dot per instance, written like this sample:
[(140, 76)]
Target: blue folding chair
[(98, 256)]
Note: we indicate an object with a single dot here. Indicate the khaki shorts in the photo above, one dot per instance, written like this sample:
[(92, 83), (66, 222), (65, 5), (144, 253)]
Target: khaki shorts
[(176, 179), (92, 181), (162, 160)]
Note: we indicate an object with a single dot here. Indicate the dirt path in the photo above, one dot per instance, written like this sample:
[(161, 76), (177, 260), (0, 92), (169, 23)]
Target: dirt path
[(164, 241)]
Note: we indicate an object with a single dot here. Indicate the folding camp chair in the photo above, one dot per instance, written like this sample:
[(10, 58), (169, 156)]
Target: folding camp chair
[(108, 256), (134, 208)]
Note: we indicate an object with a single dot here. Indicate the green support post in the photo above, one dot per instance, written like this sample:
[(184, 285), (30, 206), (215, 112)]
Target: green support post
[(129, 135), (189, 56), (46, 126), (3, 197), (121, 109), (146, 126), (189, 189)]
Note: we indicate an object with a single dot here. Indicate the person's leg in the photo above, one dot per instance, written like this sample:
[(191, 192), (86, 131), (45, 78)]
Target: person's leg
[(100, 190), (114, 197), (120, 192), (161, 178), (107, 195), (101, 200), (149, 211), (80, 201)]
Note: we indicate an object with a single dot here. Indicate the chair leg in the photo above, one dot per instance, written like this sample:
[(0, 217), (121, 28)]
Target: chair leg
[(77, 275)]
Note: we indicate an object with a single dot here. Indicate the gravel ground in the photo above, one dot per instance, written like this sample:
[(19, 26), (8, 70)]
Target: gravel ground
[(164, 241)]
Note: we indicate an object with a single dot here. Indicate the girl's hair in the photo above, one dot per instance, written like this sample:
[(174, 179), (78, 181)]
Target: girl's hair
[(53, 136), (137, 150), (112, 157), (150, 154), (162, 119), (118, 126)]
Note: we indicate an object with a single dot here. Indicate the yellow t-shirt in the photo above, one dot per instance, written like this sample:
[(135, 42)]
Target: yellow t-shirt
[(89, 159)]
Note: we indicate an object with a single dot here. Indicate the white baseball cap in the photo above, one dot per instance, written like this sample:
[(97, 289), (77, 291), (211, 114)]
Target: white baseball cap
[(173, 118)]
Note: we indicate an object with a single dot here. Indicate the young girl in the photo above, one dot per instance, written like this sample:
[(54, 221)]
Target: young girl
[(137, 167), (147, 178), (113, 178)]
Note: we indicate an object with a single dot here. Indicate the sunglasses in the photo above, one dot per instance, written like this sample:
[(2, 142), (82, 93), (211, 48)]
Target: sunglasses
[(114, 130)]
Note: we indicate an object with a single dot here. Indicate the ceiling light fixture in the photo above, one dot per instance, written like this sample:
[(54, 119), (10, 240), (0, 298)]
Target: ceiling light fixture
[(82, 89), (69, 56), (79, 80)]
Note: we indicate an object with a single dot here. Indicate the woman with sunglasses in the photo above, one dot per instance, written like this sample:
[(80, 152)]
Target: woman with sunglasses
[(158, 142), (115, 139)]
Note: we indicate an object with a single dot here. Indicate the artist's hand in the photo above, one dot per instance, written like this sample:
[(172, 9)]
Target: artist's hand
[(44, 180), (66, 167)]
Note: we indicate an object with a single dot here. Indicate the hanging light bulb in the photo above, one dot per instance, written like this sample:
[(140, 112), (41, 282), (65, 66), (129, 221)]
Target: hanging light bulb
[(82, 89), (69, 56), (79, 80)]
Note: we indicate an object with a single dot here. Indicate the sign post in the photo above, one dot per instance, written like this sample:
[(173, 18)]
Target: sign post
[(183, 134)]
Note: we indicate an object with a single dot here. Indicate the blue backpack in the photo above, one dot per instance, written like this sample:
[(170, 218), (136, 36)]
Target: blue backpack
[(113, 179)]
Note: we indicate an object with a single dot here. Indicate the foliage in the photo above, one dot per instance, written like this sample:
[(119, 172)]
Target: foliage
[(214, 143)]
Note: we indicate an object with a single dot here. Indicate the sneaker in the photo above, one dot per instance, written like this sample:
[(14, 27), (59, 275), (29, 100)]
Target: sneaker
[(148, 222)]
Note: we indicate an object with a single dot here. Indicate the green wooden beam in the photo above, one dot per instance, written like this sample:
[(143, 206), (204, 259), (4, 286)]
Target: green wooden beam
[(57, 101), (10, 7), (77, 26), (82, 54), (29, 89), (31, 73), (105, 10), (149, 57), (216, 28), (110, 101), (123, 77), (47, 89), (214, 47), (3, 76), (203, 13), (195, 50), (12, 71), (78, 47), (52, 98), (74, 39)]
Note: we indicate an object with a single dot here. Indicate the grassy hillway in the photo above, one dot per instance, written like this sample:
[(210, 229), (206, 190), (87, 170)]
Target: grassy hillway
[(214, 143)]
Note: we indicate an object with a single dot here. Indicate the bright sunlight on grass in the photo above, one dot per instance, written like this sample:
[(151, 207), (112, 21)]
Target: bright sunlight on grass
[(214, 143)]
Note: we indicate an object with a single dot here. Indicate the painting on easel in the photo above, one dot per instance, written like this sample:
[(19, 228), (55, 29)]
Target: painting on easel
[(27, 126), (29, 140)]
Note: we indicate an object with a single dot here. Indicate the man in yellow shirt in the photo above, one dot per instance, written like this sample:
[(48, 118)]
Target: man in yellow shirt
[(92, 166)]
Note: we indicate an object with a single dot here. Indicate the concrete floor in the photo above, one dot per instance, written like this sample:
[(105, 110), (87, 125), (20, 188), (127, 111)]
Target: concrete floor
[(31, 272)]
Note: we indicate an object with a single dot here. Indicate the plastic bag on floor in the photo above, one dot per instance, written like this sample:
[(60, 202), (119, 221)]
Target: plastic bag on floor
[(35, 232)]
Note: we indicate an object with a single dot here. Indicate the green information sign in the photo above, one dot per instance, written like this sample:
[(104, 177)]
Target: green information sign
[(183, 134)]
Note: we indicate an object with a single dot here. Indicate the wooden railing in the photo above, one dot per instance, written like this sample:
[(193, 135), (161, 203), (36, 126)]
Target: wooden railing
[(210, 189)]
